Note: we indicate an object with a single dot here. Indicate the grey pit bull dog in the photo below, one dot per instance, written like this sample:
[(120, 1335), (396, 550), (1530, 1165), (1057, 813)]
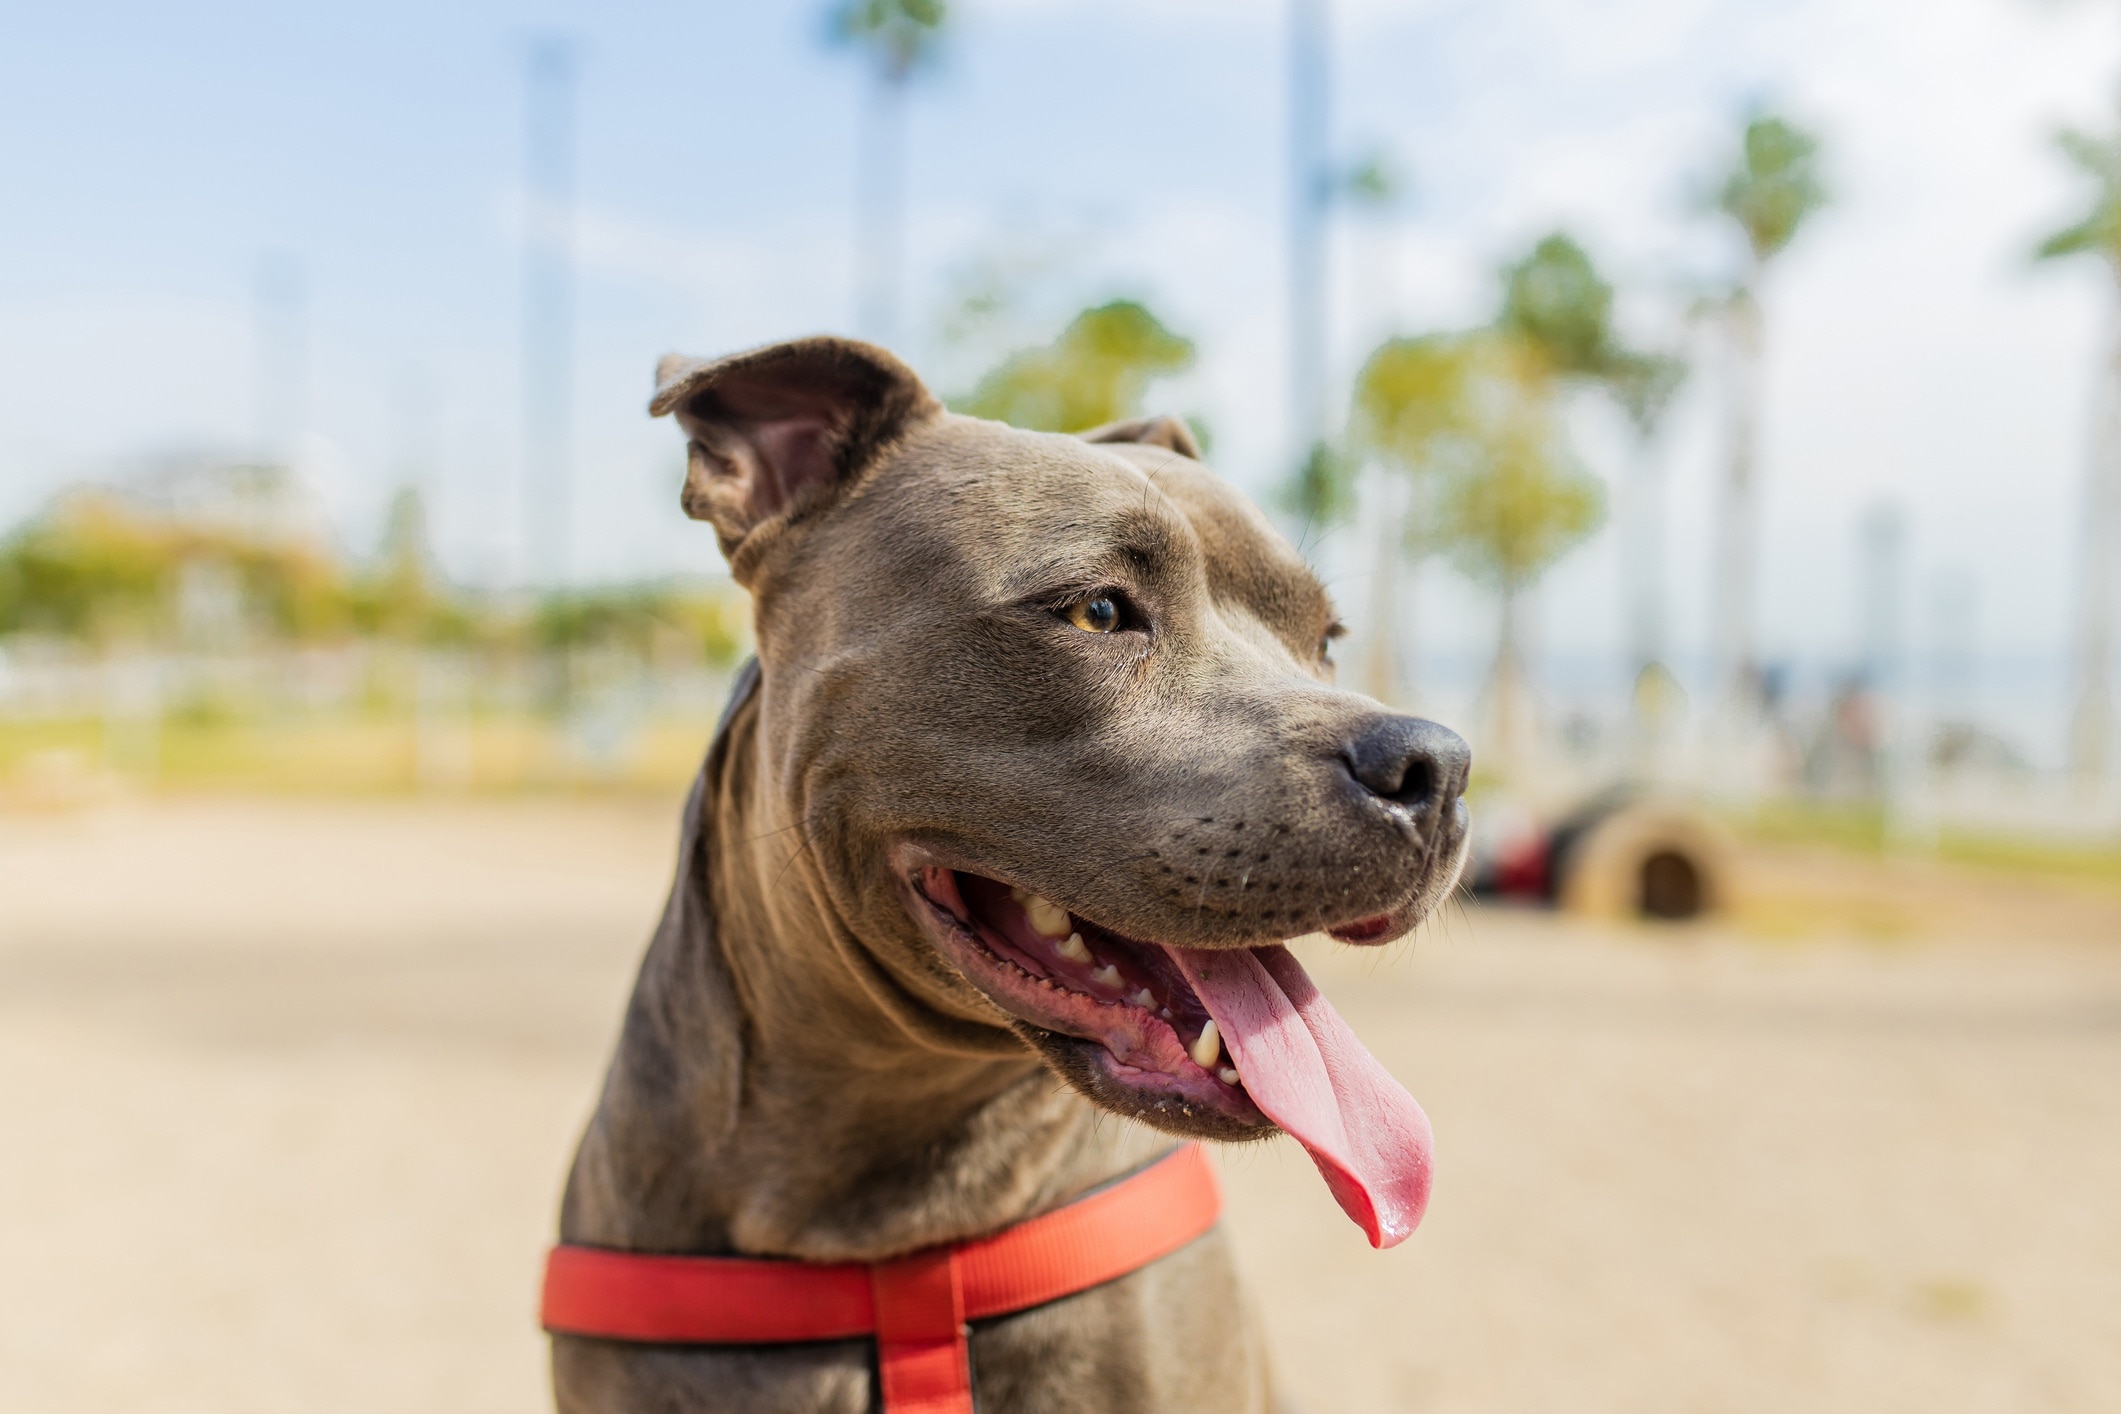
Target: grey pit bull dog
[(1044, 764)]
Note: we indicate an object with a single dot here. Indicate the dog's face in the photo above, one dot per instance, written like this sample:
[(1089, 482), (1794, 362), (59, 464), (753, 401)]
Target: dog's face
[(1057, 720)]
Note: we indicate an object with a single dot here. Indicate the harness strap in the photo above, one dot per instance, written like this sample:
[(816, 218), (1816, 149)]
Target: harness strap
[(915, 1306)]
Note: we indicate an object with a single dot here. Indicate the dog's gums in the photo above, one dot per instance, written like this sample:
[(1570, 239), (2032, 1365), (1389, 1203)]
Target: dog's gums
[(1064, 974)]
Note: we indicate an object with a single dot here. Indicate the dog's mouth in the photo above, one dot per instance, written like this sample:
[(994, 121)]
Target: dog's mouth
[(1226, 1043)]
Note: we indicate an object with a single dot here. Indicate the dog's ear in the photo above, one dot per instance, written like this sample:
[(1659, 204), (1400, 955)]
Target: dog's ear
[(1167, 432), (779, 432)]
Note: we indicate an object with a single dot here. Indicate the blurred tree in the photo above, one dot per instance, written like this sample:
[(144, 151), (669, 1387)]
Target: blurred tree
[(1517, 504), (1095, 372), (1470, 420), (1412, 402), (400, 599), (87, 570), (1502, 522), (1556, 300), (689, 623), (1770, 191), (94, 569), (1374, 182), (2097, 233), (1321, 492), (899, 37), (1645, 385), (1414, 396)]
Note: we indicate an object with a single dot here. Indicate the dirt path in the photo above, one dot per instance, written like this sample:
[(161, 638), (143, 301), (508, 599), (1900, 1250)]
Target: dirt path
[(286, 1091)]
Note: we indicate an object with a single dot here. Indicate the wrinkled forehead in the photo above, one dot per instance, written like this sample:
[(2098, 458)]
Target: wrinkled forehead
[(1023, 512)]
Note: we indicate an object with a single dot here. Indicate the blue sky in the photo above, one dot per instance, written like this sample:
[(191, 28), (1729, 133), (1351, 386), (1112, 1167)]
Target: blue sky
[(149, 154)]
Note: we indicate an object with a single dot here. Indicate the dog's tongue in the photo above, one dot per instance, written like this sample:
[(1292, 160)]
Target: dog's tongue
[(1306, 1071)]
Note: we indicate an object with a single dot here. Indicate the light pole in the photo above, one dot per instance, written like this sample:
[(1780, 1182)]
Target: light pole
[(1310, 197), (548, 308)]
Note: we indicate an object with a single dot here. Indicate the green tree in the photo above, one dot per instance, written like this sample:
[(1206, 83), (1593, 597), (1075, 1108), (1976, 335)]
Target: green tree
[(1095, 372), (2096, 233), (1471, 421), (899, 37), (1555, 299), (96, 569), (87, 569), (1770, 191), (402, 596), (1417, 405)]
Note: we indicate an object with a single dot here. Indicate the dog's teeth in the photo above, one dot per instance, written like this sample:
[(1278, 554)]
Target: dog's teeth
[(1227, 1075), (1073, 949), (1145, 1000), (1208, 1048), (1048, 917), (1106, 976)]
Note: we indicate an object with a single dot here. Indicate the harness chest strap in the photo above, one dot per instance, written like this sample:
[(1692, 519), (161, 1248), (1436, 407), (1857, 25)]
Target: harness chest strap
[(915, 1306)]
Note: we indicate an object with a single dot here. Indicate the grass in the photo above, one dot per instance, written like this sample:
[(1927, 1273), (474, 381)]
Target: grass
[(53, 762), (1861, 828)]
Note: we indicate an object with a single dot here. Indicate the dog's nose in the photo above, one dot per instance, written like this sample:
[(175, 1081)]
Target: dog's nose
[(1413, 763)]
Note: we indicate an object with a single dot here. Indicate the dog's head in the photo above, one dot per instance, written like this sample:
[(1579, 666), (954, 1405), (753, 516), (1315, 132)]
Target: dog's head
[(1056, 717)]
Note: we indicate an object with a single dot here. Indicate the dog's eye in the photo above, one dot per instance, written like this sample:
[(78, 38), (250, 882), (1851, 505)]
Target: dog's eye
[(1097, 614)]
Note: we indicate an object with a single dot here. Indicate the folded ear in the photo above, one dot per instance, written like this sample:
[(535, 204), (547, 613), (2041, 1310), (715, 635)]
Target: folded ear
[(1166, 432), (779, 432)]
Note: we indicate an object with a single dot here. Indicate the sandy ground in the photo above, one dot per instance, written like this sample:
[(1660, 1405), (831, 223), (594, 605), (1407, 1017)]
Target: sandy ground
[(286, 1092)]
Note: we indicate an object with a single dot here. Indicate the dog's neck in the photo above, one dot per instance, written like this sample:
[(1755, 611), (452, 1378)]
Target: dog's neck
[(769, 1095)]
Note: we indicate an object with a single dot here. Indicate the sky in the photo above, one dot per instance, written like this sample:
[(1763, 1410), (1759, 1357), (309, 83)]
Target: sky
[(152, 155)]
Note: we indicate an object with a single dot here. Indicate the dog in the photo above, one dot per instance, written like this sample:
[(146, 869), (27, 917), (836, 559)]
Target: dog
[(1042, 764)]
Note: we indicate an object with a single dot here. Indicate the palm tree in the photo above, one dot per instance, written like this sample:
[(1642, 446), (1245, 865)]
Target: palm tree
[(1421, 402), (2099, 234), (1769, 193), (1502, 520), (900, 37), (1556, 301), (1470, 420), (1094, 373), (1645, 385), (1412, 401)]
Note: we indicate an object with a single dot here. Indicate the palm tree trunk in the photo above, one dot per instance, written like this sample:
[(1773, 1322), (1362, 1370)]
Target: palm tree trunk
[(880, 237), (1644, 556), (1507, 706), (1737, 548), (1643, 592), (1379, 674), (2091, 720)]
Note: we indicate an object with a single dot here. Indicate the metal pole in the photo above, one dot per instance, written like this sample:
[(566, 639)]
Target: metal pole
[(1310, 183), (548, 309)]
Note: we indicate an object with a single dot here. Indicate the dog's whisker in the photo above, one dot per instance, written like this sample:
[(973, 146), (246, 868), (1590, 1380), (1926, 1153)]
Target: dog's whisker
[(789, 863), (769, 834)]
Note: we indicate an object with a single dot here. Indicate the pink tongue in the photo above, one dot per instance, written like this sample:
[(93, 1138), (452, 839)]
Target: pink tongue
[(1306, 1071)]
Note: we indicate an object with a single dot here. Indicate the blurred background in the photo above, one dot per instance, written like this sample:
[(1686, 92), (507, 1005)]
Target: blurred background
[(1712, 409)]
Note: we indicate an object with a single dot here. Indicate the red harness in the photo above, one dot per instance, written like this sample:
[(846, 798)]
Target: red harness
[(915, 1306)]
